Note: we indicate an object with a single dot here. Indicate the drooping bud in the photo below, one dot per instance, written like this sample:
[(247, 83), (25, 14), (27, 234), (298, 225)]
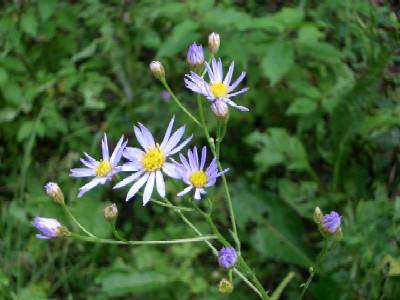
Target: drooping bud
[(50, 228), (195, 56), (111, 212), (54, 192), (157, 69), (220, 109), (227, 257), (225, 286), (317, 215), (213, 43)]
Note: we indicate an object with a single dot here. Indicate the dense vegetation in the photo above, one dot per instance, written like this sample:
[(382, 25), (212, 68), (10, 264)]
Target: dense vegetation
[(323, 130)]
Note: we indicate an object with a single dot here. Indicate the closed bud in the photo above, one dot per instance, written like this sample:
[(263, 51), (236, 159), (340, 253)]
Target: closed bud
[(195, 56), (213, 43), (317, 215), (157, 69), (50, 228), (331, 225), (54, 192), (111, 212), (225, 286), (220, 110)]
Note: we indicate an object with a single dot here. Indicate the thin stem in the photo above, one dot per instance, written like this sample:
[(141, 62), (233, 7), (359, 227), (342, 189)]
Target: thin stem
[(314, 177), (213, 249), (165, 242), (115, 232), (277, 293), (313, 269), (226, 244), (65, 208), (213, 150), (164, 82), (171, 205)]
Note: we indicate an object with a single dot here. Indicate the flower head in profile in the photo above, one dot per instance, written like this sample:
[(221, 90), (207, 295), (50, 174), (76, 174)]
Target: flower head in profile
[(102, 170), (218, 87), (147, 164), (227, 257), (331, 222), (50, 228), (54, 192), (195, 55), (191, 171)]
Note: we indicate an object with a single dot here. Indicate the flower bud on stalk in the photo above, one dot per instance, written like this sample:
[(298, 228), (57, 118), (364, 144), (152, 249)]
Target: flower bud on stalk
[(195, 57), (50, 228), (317, 215), (111, 212), (54, 192), (157, 69), (225, 286), (213, 43), (227, 257)]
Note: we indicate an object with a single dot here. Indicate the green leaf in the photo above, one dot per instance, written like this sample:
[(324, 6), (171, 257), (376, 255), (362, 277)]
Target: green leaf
[(85, 52), (29, 22), (309, 34), (301, 106), (290, 17), (181, 37), (3, 76), (278, 61), (280, 237), (46, 8), (8, 114), (120, 284), (278, 148), (25, 130)]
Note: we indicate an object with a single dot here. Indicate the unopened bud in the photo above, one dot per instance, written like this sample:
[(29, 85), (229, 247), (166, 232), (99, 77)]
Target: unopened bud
[(54, 192), (338, 235), (50, 228), (317, 215), (225, 286), (157, 69), (220, 109), (213, 43), (111, 212), (195, 56)]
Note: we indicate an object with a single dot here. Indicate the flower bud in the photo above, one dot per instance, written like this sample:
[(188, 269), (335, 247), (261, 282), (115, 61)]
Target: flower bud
[(54, 191), (220, 109), (331, 223), (157, 69), (227, 257), (111, 212), (213, 42), (195, 56), (225, 286), (317, 215), (50, 228)]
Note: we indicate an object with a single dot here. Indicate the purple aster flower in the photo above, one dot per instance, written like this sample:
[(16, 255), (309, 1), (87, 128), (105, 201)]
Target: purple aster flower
[(227, 257), (191, 171), (218, 88), (195, 55), (102, 170), (50, 228), (331, 222), (149, 162)]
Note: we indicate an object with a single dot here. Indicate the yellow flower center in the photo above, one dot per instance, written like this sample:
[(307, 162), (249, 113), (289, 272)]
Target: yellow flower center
[(103, 168), (153, 159), (198, 179), (219, 90)]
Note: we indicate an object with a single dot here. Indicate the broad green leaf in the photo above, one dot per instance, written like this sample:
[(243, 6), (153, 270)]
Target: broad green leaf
[(3, 76), (181, 37), (25, 131), (46, 8), (290, 17), (278, 60), (280, 237), (309, 34), (277, 147), (85, 52), (301, 106), (29, 22)]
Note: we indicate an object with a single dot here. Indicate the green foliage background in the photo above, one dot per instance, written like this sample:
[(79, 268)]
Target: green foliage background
[(323, 130)]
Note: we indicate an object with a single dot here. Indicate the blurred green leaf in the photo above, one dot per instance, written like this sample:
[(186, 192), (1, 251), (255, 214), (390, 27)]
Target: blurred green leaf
[(278, 60), (46, 8), (29, 22), (301, 106)]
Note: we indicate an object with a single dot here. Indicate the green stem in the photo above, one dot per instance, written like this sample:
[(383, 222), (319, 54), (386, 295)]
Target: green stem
[(164, 82), (213, 150), (213, 249), (165, 242), (171, 205), (224, 242), (278, 292), (66, 210), (115, 232), (313, 269), (314, 177)]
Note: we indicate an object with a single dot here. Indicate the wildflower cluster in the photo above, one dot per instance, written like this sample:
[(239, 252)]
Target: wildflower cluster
[(149, 162)]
